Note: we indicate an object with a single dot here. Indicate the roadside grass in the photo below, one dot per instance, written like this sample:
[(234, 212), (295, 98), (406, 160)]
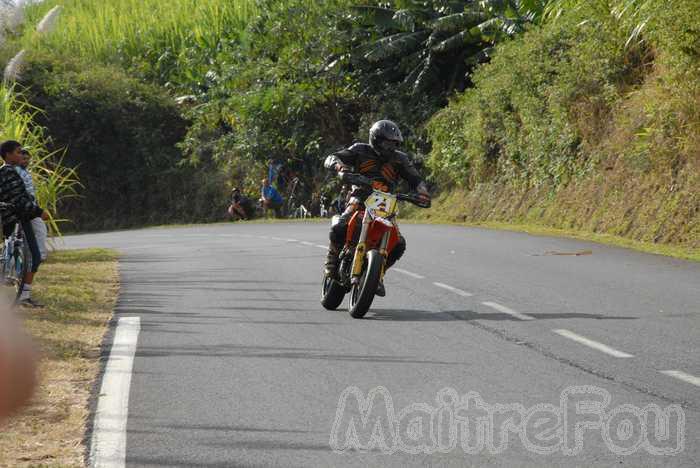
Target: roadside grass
[(668, 250), (79, 289)]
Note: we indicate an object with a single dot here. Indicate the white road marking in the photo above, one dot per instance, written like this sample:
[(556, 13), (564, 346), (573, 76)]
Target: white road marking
[(408, 273), (691, 379), (291, 240), (592, 344), (108, 445), (306, 243), (506, 310), (453, 289), (277, 238), (324, 247)]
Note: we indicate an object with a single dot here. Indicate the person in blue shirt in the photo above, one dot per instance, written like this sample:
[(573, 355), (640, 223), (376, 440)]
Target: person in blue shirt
[(271, 198)]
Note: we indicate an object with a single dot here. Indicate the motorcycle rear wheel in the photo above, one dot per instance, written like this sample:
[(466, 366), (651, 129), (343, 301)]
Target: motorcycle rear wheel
[(362, 293)]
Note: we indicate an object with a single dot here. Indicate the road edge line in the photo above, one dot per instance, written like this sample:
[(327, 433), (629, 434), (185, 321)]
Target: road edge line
[(108, 441)]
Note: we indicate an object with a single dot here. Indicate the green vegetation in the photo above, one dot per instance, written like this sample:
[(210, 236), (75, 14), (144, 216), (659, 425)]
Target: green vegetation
[(121, 134), (576, 126), (571, 114), (173, 43), (79, 289), (54, 182)]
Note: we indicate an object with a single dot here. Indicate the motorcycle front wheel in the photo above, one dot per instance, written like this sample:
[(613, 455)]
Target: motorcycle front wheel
[(362, 293)]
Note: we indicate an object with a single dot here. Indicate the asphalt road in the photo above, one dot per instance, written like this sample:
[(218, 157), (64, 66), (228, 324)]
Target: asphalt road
[(238, 364)]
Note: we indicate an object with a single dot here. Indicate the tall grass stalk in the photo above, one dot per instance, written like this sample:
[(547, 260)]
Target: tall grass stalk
[(48, 22), (14, 66), (633, 15)]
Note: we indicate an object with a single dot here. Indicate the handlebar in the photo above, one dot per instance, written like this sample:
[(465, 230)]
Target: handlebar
[(415, 199), (360, 180)]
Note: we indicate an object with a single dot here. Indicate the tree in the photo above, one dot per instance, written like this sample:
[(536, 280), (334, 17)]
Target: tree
[(430, 46)]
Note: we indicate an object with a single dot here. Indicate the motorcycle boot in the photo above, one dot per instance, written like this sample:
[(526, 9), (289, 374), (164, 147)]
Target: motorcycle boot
[(331, 266)]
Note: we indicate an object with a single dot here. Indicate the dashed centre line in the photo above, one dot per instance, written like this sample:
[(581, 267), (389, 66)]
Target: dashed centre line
[(506, 310), (408, 273), (592, 344), (691, 379), (457, 291), (306, 243)]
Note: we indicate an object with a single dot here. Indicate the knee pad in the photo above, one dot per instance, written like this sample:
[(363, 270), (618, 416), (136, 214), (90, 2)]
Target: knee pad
[(338, 232)]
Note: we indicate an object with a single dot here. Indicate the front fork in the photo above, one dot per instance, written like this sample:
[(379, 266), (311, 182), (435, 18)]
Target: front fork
[(358, 260)]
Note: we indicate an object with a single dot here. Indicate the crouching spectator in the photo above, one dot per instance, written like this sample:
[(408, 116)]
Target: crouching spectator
[(241, 206)]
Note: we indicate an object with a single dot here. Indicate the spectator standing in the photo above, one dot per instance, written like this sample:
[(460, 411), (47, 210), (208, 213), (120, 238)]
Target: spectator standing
[(271, 198), (40, 231), (24, 208)]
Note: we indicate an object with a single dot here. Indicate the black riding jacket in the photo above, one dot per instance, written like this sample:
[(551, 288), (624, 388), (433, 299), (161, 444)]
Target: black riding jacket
[(362, 159)]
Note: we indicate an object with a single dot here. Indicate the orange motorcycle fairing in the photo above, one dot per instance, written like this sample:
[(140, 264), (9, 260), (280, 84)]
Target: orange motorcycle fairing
[(374, 234)]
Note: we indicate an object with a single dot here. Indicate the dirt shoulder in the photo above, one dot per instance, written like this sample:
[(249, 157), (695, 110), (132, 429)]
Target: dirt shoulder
[(79, 289)]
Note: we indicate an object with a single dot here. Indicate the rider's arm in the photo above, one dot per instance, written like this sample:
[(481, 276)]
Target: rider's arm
[(409, 172), (341, 159)]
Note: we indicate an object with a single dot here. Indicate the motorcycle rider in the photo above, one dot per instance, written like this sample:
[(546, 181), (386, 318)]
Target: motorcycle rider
[(385, 165)]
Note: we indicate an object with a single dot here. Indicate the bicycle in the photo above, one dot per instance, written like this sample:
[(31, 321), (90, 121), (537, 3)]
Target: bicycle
[(15, 260)]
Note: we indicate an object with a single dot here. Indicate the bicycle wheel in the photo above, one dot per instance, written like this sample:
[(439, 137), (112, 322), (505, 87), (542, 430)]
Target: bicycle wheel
[(20, 263), (15, 261), (7, 286)]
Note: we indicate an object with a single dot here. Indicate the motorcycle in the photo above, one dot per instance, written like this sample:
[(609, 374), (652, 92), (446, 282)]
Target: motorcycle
[(371, 235)]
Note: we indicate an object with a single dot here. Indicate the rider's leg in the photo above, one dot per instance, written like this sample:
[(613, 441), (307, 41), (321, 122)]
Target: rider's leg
[(397, 252), (337, 240)]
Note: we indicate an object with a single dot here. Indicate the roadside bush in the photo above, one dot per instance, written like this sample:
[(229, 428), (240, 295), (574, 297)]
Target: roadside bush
[(577, 127), (121, 137), (538, 111), (274, 98)]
